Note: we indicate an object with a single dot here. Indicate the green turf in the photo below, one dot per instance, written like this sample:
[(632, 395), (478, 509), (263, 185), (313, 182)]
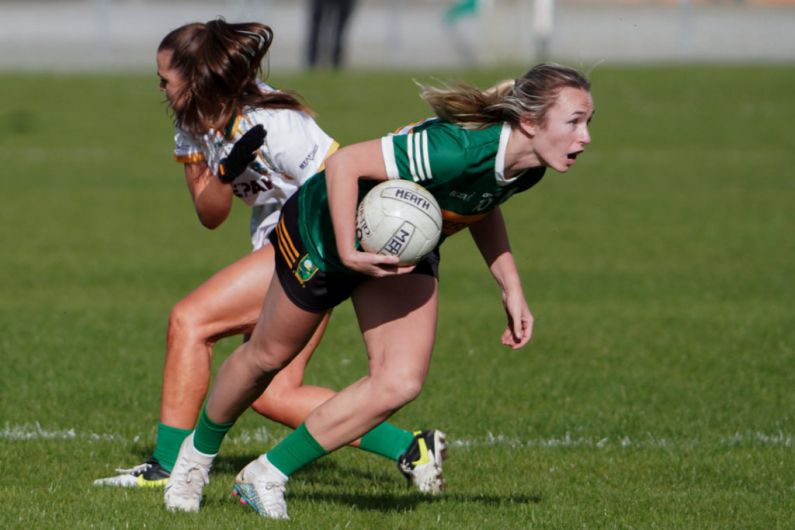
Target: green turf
[(657, 392)]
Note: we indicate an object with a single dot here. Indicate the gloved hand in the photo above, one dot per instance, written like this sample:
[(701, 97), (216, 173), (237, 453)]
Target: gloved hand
[(242, 154)]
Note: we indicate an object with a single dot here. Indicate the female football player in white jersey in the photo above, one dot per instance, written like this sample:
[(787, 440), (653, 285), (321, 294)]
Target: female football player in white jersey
[(236, 136), (483, 148)]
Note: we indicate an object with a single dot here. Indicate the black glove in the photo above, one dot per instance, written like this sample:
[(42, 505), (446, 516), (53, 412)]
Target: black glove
[(242, 154)]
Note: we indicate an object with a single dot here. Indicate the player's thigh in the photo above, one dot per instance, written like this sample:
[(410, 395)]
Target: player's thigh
[(293, 373), (397, 316), (283, 329), (230, 301)]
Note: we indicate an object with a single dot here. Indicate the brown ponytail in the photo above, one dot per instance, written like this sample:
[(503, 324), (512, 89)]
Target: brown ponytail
[(220, 63)]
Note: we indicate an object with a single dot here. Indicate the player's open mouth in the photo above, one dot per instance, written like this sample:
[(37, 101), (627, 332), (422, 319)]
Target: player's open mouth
[(573, 156)]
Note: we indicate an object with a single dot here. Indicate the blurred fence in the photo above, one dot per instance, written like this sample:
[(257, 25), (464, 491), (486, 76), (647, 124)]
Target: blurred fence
[(123, 34)]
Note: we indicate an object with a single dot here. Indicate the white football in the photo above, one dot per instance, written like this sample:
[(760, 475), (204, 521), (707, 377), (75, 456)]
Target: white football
[(400, 218)]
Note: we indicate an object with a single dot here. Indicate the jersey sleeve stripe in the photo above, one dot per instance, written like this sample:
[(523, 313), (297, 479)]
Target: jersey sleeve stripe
[(189, 158), (418, 155), (410, 155), (388, 150), (425, 157)]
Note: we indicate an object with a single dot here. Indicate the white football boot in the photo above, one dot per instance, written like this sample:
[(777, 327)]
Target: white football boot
[(190, 474), (261, 486)]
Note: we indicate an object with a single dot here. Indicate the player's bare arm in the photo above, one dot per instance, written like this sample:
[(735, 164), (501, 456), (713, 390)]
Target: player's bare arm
[(491, 238), (211, 197), (343, 170)]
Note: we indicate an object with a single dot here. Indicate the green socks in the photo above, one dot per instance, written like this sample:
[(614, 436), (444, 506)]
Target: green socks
[(386, 440), (207, 439), (298, 449), (208, 435), (169, 439)]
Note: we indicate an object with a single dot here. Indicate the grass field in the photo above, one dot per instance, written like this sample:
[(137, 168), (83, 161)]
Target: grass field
[(657, 392)]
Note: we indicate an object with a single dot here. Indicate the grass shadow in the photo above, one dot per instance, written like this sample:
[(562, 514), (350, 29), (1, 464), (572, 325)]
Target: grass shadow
[(391, 502), (325, 481)]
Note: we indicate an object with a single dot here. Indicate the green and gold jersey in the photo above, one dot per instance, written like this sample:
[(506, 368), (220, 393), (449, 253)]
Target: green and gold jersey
[(463, 169)]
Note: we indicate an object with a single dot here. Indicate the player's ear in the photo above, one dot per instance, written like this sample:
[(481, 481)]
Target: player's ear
[(527, 126)]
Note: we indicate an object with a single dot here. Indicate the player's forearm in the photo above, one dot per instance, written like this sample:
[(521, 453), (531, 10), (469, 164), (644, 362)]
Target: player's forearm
[(491, 238), (214, 204), (211, 197), (505, 273), (343, 171)]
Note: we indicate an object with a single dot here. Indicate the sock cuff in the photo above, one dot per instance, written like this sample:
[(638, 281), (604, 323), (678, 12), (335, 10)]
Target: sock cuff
[(165, 428), (169, 440), (386, 440), (311, 439), (208, 435), (298, 449), (205, 419)]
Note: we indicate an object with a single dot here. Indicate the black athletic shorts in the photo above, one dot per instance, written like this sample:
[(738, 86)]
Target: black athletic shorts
[(305, 284)]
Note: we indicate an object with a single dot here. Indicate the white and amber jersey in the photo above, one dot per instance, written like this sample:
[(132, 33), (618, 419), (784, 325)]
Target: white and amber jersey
[(295, 148)]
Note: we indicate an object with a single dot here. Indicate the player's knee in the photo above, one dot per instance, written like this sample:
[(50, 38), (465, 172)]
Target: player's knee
[(265, 361), (399, 391), (185, 323)]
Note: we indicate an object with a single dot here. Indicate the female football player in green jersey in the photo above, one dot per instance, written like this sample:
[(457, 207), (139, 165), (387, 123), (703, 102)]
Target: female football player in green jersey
[(482, 148), (237, 136)]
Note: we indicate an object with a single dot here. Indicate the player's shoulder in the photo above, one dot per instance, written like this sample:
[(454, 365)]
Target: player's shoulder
[(460, 135), (184, 137), (276, 120), (488, 136)]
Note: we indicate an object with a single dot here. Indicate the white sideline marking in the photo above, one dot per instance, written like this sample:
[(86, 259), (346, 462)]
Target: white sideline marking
[(567, 440), (36, 432), (263, 436)]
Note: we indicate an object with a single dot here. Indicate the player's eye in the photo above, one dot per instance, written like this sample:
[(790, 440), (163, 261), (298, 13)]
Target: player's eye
[(163, 83)]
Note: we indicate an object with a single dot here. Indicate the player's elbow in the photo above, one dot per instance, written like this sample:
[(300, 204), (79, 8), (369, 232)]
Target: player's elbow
[(212, 214), (209, 225), (211, 221)]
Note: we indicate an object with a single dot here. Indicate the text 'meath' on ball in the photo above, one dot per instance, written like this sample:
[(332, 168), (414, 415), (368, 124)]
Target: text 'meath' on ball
[(401, 218)]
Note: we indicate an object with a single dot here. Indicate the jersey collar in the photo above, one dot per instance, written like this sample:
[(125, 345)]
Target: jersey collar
[(499, 163), (232, 126)]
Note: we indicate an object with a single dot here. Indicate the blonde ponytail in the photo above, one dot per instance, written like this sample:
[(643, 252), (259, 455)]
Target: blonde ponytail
[(466, 105), (530, 97)]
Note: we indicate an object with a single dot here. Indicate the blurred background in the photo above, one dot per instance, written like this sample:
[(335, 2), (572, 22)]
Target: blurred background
[(121, 35), (657, 391)]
